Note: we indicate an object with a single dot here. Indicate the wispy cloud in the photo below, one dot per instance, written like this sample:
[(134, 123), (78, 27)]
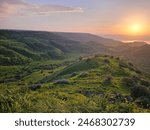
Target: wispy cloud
[(20, 7)]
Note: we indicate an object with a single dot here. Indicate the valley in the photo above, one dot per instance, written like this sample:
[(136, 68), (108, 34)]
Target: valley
[(72, 72)]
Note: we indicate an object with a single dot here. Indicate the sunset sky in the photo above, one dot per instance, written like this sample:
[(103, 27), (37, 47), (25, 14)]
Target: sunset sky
[(120, 19)]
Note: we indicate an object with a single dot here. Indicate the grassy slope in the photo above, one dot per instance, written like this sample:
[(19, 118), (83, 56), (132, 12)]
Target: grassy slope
[(21, 47), (92, 84)]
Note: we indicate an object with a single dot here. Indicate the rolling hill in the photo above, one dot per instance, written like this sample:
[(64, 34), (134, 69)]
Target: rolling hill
[(22, 47), (87, 37), (72, 72), (137, 55), (136, 52), (18, 47), (93, 84)]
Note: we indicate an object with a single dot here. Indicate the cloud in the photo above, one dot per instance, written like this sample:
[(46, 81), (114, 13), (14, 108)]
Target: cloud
[(47, 9), (20, 7)]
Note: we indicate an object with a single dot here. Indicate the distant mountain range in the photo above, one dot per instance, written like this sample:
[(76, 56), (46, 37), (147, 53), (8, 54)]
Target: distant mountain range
[(87, 37), (19, 47), (145, 38)]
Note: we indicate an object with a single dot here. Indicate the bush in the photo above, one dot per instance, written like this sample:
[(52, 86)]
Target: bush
[(88, 60), (140, 91), (34, 87), (117, 58), (138, 71), (106, 61), (130, 64), (129, 82), (143, 102), (6, 103), (80, 58), (107, 80), (122, 64), (145, 83), (136, 78), (86, 92)]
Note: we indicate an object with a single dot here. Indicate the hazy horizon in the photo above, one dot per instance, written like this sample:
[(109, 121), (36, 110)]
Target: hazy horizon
[(124, 20)]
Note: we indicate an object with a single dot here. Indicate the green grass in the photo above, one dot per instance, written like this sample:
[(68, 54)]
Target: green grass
[(87, 90)]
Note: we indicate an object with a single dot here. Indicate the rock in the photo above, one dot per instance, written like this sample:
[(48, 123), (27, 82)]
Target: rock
[(83, 74), (74, 74), (61, 81), (128, 98), (112, 100), (101, 93), (86, 92)]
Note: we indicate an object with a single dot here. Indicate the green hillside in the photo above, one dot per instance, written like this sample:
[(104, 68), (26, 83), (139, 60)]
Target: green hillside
[(20, 47), (90, 84), (23, 47), (138, 55), (71, 72)]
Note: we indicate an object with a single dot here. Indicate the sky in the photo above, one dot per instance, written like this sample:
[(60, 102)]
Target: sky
[(121, 19)]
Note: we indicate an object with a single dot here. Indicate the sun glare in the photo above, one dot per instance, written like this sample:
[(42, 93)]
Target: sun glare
[(136, 29), (134, 25)]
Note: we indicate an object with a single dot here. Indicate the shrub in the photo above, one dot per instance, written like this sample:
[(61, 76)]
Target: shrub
[(88, 60), (107, 80), (143, 102), (140, 91), (6, 103), (42, 71), (122, 64), (80, 58), (106, 61), (136, 78), (130, 64), (111, 57), (129, 82), (34, 87), (117, 58), (145, 83), (138, 71)]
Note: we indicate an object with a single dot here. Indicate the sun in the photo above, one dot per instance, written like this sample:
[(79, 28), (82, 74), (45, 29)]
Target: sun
[(135, 29), (134, 25)]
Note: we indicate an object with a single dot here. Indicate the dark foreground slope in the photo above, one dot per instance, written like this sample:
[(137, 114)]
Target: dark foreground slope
[(91, 84)]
